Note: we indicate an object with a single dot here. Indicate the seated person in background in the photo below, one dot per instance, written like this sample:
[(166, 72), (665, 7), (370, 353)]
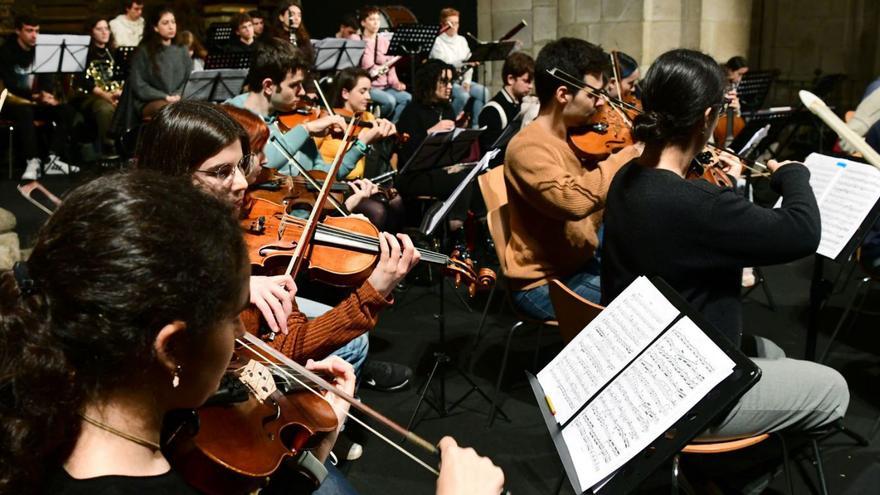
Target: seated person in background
[(76, 424), (505, 107), (429, 113), (289, 15), (629, 76), (32, 97), (243, 36), (96, 101), (387, 90), (453, 49), (348, 26), (128, 28), (351, 95), (734, 69), (212, 150), (698, 237), (258, 17), (275, 80), (555, 198), (194, 49), (159, 71)]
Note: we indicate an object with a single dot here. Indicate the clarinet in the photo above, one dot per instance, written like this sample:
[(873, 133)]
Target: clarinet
[(290, 31)]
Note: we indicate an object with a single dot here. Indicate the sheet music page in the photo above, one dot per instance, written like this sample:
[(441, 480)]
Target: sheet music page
[(605, 347), (846, 192), (644, 401)]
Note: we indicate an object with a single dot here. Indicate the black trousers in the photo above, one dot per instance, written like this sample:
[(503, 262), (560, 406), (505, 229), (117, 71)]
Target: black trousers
[(23, 117)]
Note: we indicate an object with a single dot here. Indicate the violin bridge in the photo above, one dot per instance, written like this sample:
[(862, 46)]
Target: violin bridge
[(258, 379)]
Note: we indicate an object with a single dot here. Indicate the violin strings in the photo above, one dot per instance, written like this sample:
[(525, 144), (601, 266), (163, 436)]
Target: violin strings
[(347, 413), (429, 256)]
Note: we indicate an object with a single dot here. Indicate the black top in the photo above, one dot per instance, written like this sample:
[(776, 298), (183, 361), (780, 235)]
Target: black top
[(61, 483), (490, 118), (15, 64), (235, 45), (98, 55), (698, 237), (415, 120)]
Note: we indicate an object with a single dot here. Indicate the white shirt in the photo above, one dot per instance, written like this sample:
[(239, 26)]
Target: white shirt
[(453, 50), (127, 32)]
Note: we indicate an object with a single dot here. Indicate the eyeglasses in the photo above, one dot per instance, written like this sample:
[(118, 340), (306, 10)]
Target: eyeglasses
[(225, 172), (445, 80)]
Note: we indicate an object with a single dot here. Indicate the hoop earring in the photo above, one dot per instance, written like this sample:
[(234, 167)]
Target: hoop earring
[(175, 380)]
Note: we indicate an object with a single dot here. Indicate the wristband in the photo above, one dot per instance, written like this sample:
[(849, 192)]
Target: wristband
[(364, 148)]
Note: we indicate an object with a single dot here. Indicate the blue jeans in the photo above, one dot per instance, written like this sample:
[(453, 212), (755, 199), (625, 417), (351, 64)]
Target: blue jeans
[(536, 302), (460, 98), (335, 483), (391, 102), (355, 352)]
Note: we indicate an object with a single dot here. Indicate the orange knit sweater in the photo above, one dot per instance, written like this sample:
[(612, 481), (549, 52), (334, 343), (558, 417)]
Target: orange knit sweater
[(555, 206)]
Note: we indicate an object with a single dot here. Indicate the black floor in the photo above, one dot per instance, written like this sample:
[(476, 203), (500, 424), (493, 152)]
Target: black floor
[(408, 334)]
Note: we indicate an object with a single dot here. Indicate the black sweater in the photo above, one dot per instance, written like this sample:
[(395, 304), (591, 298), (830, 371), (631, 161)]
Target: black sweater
[(698, 237), (415, 120)]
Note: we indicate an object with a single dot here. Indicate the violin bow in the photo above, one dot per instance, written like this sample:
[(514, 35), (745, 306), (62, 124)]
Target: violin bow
[(302, 172), (312, 223), (615, 69), (324, 99), (567, 78)]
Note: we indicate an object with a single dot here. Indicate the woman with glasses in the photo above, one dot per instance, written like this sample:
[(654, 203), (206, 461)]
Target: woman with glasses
[(453, 49), (200, 141), (698, 237), (430, 112)]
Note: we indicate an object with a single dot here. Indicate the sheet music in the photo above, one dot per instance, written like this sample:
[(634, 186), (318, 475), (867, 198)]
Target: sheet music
[(846, 191), (660, 387), (605, 346)]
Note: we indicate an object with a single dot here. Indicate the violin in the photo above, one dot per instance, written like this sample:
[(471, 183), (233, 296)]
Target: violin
[(259, 417), (343, 252), (729, 126), (303, 112), (707, 166)]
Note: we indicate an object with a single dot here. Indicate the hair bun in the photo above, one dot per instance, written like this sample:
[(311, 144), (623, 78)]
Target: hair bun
[(652, 127)]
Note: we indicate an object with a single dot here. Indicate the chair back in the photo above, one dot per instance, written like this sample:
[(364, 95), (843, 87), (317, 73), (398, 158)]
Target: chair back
[(573, 312), (499, 229), (493, 188)]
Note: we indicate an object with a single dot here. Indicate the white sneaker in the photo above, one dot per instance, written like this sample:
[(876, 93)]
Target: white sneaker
[(354, 452), (33, 170), (58, 167)]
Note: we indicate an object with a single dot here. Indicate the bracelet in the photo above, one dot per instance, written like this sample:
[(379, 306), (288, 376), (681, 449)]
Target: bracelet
[(364, 148)]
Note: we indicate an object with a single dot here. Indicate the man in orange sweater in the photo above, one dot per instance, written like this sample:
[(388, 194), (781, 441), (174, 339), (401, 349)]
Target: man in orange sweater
[(555, 198)]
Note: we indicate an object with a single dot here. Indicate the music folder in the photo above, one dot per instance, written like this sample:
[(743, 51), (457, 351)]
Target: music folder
[(635, 386)]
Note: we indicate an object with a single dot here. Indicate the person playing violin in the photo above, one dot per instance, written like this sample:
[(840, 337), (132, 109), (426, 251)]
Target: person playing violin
[(93, 357), (698, 237), (629, 76), (212, 150), (518, 74), (351, 96), (734, 69), (275, 80), (555, 198)]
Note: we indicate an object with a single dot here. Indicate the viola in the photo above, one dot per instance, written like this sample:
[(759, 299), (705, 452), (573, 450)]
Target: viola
[(729, 125), (607, 134), (343, 251)]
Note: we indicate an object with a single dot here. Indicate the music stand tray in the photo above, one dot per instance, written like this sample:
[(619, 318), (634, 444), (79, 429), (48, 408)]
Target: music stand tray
[(60, 53), (441, 149), (335, 54), (228, 60), (487, 52), (413, 39), (215, 86)]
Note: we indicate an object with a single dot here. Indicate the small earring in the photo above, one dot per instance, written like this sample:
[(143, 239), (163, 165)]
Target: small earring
[(175, 381)]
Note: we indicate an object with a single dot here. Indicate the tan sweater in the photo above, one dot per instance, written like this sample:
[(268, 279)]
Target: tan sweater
[(555, 206)]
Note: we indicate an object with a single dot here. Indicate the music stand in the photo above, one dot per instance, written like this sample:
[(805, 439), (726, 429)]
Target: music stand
[(488, 52), (335, 54), (441, 149), (215, 86), (123, 61), (754, 87), (219, 34), (412, 40), (439, 155), (60, 54), (228, 60)]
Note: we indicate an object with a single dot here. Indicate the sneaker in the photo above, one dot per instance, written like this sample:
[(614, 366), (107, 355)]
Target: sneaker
[(58, 167), (748, 277), (33, 171), (354, 452), (385, 376)]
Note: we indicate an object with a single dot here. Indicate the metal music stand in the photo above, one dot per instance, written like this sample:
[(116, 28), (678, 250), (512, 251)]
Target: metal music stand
[(60, 54), (215, 86), (219, 34), (412, 40), (335, 54), (228, 60), (754, 87)]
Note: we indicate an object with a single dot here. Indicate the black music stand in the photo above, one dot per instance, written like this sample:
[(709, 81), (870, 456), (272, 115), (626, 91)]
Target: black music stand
[(228, 60), (439, 151), (335, 54), (412, 40), (488, 52), (754, 87), (215, 86), (626, 479), (778, 118), (219, 34), (123, 61)]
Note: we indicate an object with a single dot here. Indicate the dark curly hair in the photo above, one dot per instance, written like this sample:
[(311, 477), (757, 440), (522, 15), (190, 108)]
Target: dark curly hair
[(678, 88), (425, 87), (121, 258), (574, 56)]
